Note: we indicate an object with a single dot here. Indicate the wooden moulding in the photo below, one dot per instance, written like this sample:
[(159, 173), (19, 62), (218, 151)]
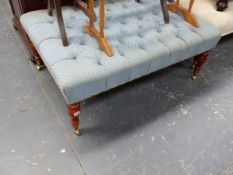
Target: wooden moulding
[(35, 57), (186, 13)]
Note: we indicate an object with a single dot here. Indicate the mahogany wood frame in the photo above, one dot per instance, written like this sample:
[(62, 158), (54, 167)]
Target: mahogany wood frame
[(74, 111), (35, 57)]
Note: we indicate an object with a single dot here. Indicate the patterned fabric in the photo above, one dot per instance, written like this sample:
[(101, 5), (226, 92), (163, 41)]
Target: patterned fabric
[(141, 43)]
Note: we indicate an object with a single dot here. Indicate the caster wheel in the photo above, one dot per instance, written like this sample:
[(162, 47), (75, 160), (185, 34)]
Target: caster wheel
[(194, 77), (77, 132), (39, 68)]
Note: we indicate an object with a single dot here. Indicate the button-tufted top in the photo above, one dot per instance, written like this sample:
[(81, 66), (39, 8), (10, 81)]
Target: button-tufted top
[(140, 40)]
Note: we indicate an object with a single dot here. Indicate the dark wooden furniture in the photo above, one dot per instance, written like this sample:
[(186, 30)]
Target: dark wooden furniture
[(57, 5), (20, 7), (222, 5)]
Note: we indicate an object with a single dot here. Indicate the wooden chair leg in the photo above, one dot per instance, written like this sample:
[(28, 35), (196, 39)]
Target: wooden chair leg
[(165, 11), (198, 62), (175, 7), (74, 111), (83, 6), (91, 30), (61, 25), (50, 7)]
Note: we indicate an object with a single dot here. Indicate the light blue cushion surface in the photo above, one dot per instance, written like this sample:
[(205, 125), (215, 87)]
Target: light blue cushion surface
[(141, 43)]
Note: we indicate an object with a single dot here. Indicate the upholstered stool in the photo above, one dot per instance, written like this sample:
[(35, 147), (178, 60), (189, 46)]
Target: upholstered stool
[(141, 42)]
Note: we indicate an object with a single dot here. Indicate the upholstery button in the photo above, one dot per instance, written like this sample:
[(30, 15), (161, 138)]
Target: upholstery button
[(121, 41), (123, 21), (140, 46), (121, 54), (51, 20), (140, 35), (140, 17), (82, 42), (140, 26)]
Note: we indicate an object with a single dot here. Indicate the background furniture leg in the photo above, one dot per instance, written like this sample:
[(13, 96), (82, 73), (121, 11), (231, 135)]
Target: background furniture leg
[(35, 57), (74, 112), (222, 5), (165, 11), (61, 25), (50, 7), (83, 6), (198, 61)]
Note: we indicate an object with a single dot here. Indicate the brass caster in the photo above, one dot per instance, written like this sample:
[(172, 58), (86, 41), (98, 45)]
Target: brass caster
[(194, 77), (39, 67), (77, 131)]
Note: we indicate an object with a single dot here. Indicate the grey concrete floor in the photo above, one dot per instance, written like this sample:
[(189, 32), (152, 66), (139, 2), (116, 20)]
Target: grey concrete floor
[(164, 123)]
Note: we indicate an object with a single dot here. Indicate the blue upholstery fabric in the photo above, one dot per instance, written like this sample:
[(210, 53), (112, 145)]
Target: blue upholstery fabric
[(141, 43)]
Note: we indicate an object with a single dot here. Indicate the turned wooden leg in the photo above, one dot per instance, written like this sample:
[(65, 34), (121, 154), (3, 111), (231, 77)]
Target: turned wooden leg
[(74, 112), (165, 11), (198, 61), (83, 6), (61, 25), (38, 62)]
